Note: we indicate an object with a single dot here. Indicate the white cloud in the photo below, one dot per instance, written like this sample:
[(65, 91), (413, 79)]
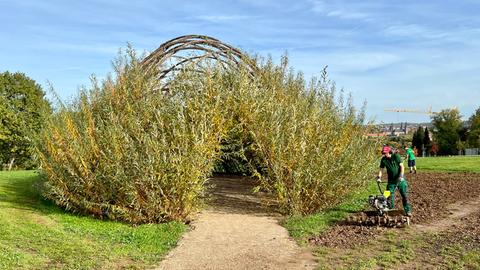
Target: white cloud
[(318, 6), (414, 31), (361, 61), (338, 11), (223, 18), (350, 15)]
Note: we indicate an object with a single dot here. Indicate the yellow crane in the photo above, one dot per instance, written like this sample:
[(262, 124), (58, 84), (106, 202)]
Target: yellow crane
[(429, 111)]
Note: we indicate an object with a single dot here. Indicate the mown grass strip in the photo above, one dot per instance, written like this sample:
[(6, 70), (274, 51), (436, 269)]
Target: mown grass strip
[(302, 227), (449, 164), (37, 235)]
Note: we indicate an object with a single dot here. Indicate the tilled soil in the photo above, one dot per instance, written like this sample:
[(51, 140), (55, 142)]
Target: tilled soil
[(431, 195), (465, 233)]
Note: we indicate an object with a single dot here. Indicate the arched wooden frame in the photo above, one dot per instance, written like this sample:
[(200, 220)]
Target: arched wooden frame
[(179, 52)]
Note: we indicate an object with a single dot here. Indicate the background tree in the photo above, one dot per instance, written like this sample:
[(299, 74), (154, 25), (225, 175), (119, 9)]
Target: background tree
[(434, 149), (414, 139), (417, 140), (395, 143), (461, 146), (474, 125), (22, 108), (462, 143), (447, 124), (427, 143), (5, 114)]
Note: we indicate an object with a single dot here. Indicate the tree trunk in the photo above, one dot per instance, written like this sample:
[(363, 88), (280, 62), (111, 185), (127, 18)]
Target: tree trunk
[(10, 164)]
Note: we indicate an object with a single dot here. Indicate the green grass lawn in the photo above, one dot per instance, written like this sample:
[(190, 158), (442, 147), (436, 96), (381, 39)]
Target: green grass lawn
[(35, 234), (449, 164), (302, 227)]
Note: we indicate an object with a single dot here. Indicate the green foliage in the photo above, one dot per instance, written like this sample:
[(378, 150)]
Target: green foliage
[(35, 234), (22, 109), (303, 227), (397, 142), (124, 151), (237, 153), (313, 144), (474, 134), (447, 124), (427, 142), (417, 139)]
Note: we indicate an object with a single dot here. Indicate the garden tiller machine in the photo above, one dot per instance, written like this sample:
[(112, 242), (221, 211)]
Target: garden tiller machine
[(382, 214)]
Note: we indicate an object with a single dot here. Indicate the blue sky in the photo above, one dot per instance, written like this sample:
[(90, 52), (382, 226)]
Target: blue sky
[(391, 54)]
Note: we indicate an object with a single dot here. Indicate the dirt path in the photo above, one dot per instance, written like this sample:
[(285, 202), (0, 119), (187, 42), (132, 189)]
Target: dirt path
[(457, 211), (237, 232)]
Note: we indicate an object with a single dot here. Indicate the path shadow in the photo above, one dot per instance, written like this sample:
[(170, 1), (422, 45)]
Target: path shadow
[(234, 194), (23, 192)]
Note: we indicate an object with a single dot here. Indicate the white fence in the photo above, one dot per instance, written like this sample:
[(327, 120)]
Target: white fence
[(472, 151)]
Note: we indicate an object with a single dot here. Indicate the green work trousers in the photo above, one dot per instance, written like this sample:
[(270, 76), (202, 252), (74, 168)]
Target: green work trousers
[(403, 188)]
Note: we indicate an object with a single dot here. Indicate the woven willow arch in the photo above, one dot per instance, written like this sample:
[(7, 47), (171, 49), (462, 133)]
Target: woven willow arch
[(193, 50)]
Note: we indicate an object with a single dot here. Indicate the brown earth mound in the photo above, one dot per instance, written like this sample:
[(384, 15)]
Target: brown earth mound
[(430, 194)]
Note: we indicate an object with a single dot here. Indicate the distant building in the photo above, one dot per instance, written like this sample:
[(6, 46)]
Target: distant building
[(397, 129)]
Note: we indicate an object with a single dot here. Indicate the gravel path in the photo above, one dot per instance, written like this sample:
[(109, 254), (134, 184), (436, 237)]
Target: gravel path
[(237, 232)]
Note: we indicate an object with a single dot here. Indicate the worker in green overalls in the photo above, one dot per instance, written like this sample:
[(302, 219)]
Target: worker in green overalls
[(394, 166)]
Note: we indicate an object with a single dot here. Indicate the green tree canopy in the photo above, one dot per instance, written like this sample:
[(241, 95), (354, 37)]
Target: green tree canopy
[(474, 134), (417, 140), (427, 143), (22, 107), (447, 124)]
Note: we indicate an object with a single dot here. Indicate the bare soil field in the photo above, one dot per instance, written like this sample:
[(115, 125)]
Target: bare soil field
[(445, 224)]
